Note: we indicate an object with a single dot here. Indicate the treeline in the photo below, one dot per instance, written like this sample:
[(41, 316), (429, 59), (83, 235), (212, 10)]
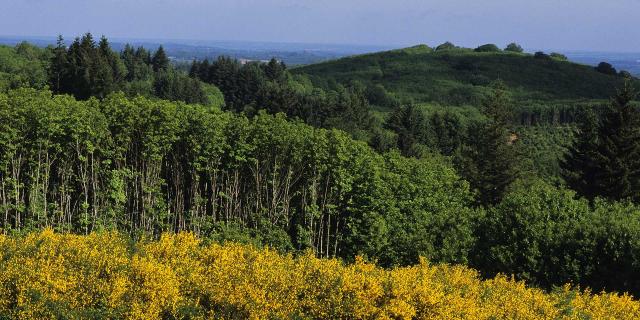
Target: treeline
[(269, 86), (87, 69), (146, 167)]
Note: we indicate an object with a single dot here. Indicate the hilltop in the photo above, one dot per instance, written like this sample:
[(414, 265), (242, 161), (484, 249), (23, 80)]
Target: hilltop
[(457, 76)]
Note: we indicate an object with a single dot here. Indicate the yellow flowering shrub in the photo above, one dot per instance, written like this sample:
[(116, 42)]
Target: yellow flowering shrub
[(103, 276)]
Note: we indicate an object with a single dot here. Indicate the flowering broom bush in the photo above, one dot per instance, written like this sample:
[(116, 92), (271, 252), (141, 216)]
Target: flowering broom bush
[(104, 276)]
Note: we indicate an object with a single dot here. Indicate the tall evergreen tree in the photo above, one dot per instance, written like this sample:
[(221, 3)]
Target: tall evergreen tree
[(117, 66), (620, 147), (579, 167), (128, 57), (102, 67), (491, 161), (605, 160), (58, 71), (160, 61), (274, 70), (410, 124)]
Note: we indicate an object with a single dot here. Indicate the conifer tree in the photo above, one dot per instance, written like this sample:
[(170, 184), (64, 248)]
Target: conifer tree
[(128, 57), (274, 70), (160, 61), (58, 71), (491, 161), (619, 147), (605, 160), (579, 167), (410, 124)]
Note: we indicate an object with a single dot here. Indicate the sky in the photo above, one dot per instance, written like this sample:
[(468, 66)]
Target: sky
[(594, 25)]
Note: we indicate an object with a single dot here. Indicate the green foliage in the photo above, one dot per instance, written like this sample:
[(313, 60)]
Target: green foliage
[(446, 46), (543, 148), (606, 68), (22, 66), (410, 124), (548, 236), (514, 47), (378, 95), (171, 85), (252, 87), (487, 48), (558, 56), (87, 69), (160, 61), (429, 196), (524, 234)]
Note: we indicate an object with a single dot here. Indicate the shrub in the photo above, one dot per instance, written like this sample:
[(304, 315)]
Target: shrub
[(487, 48), (514, 47), (606, 68), (446, 46), (547, 236), (53, 276), (558, 56), (540, 55)]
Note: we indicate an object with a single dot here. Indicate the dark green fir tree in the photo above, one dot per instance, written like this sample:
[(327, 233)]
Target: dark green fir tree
[(160, 61), (580, 167), (605, 160), (490, 160)]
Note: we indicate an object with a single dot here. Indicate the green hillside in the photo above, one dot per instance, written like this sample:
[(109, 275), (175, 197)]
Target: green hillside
[(459, 76)]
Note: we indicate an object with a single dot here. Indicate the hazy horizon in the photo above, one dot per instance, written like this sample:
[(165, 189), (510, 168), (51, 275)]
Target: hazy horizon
[(570, 25)]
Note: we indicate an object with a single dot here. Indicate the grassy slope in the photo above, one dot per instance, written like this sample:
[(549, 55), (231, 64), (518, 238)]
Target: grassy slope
[(460, 76)]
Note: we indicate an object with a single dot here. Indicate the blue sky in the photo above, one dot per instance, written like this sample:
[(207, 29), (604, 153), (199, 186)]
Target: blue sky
[(600, 25)]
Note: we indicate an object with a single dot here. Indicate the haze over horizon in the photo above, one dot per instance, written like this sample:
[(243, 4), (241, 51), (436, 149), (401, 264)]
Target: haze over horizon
[(588, 25)]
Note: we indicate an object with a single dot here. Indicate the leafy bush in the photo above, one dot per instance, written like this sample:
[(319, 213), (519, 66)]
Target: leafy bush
[(514, 47), (547, 236), (558, 56), (52, 276), (606, 68), (487, 48)]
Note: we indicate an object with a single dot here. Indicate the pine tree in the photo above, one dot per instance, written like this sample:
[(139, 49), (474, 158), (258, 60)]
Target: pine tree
[(410, 124), (103, 65), (160, 61), (605, 160), (194, 69), (579, 167), (128, 57), (274, 70), (118, 69), (58, 72), (619, 147), (490, 160)]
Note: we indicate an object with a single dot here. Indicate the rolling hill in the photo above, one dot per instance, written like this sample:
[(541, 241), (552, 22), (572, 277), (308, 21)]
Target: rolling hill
[(459, 76)]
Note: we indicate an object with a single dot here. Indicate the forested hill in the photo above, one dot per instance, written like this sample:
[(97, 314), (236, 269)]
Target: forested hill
[(452, 75)]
